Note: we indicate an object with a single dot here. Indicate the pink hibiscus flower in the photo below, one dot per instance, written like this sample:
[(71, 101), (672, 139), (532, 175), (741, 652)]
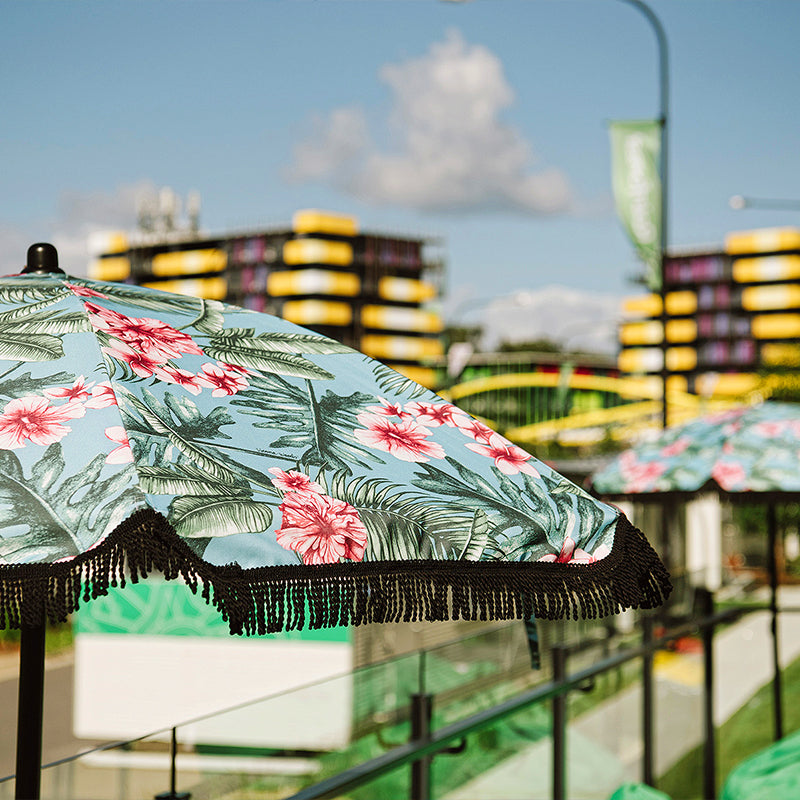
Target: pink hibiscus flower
[(141, 364), (640, 476), (321, 529), (102, 396), (729, 475), (724, 416), (508, 458), (575, 555), (406, 440), (476, 430), (158, 339), (83, 291), (34, 419), (122, 454), (775, 429), (222, 381), (78, 391), (181, 377), (154, 338), (293, 481), (438, 414), (236, 368), (677, 447), (387, 409), (104, 319)]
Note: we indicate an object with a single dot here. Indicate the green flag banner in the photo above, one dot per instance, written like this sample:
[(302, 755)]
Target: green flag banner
[(635, 155)]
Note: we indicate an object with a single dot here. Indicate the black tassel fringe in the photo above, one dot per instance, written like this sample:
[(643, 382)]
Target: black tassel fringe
[(271, 599)]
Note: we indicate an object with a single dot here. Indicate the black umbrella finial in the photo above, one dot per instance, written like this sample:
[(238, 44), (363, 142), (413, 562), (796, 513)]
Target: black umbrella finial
[(42, 259)]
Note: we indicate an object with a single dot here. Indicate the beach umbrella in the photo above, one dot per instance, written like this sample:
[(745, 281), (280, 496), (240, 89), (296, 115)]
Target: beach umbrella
[(290, 479), (747, 453), (748, 449)]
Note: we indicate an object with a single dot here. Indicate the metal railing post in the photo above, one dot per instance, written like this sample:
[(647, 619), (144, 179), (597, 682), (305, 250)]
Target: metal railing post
[(173, 794), (559, 656), (648, 738), (705, 604), (421, 713), (777, 691)]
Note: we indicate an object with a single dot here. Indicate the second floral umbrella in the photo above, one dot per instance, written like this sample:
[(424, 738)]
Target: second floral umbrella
[(748, 453)]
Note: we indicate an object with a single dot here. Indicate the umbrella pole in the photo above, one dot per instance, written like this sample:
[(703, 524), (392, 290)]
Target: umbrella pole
[(29, 711), (777, 693)]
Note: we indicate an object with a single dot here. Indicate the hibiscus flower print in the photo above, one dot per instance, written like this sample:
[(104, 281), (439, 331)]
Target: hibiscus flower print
[(222, 379), (437, 414), (387, 409), (180, 377), (122, 454), (143, 365), (34, 419), (771, 429), (102, 396), (78, 391), (570, 554), (406, 439), (729, 475), (640, 476), (293, 481), (153, 338), (476, 430), (677, 447), (83, 291), (777, 429), (508, 458), (321, 529)]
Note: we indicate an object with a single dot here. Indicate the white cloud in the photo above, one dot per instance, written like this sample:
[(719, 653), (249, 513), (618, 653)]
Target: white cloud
[(453, 152), (577, 320), (333, 146), (79, 214)]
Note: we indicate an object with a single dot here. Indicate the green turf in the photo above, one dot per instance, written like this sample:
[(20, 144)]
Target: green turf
[(747, 732)]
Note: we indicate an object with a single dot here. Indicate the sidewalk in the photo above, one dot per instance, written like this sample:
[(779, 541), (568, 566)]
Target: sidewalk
[(604, 747)]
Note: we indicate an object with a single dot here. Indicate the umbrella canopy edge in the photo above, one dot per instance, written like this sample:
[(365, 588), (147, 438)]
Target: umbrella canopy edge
[(270, 599)]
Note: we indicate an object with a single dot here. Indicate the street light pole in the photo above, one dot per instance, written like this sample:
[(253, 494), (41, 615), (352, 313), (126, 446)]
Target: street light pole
[(663, 173), (648, 760)]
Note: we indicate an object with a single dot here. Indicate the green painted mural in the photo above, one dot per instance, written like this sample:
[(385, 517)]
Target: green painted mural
[(161, 608)]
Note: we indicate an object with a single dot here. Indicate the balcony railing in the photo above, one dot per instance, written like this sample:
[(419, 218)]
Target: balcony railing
[(452, 723)]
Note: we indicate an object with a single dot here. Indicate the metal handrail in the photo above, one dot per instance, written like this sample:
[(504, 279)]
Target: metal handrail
[(439, 740), (426, 743)]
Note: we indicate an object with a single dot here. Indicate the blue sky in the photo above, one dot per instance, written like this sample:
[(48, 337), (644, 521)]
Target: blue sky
[(266, 107)]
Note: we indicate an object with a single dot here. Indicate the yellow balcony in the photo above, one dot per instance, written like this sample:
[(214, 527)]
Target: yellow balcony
[(315, 221), (208, 288), (312, 281), (400, 318), (189, 262), (317, 312)]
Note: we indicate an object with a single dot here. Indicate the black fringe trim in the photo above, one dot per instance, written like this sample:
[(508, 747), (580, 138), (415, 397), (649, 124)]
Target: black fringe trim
[(271, 599)]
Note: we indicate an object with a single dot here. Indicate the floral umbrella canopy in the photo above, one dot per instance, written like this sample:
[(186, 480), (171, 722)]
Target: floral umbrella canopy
[(751, 449), (749, 453), (291, 479)]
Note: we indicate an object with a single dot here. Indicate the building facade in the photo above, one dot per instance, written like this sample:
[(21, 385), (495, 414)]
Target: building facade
[(732, 318), (374, 292)]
